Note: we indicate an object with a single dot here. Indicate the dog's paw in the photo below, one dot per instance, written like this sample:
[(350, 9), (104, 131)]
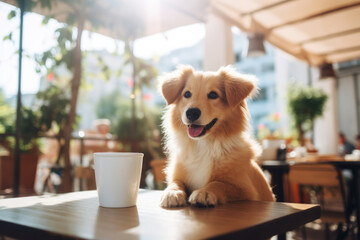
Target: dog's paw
[(203, 198), (173, 198)]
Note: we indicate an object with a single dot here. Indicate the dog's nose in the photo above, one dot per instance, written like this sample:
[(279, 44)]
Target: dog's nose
[(193, 114)]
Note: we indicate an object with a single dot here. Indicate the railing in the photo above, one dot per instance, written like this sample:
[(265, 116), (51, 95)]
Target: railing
[(80, 136)]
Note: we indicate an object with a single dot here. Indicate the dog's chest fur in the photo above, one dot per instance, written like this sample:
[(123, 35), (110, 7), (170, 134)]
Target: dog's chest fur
[(199, 162)]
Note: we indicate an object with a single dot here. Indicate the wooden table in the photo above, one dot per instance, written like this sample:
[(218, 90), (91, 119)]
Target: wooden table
[(78, 215)]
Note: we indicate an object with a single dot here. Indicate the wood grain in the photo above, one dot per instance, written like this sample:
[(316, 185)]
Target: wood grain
[(78, 215)]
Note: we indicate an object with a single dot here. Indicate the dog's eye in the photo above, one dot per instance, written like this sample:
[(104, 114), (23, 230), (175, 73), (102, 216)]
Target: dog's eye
[(187, 94), (213, 95)]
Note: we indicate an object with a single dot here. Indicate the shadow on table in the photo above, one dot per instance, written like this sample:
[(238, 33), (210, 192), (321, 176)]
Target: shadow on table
[(114, 223)]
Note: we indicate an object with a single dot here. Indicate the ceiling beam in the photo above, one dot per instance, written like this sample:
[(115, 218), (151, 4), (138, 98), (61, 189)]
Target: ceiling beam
[(315, 16), (183, 11), (266, 7), (342, 50), (328, 36)]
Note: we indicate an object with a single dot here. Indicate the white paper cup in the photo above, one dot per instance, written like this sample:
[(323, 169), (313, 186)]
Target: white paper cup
[(117, 177)]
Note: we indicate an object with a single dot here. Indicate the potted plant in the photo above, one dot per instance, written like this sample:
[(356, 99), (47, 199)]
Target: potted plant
[(305, 104), (29, 148), (50, 109)]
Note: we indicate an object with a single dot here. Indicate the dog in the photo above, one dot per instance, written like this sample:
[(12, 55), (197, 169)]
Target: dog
[(208, 143)]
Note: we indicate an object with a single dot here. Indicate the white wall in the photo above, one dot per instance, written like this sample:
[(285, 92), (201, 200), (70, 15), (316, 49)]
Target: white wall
[(218, 43), (287, 69), (347, 107), (326, 129)]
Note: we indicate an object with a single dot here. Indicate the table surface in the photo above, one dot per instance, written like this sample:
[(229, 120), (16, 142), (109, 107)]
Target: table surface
[(78, 215)]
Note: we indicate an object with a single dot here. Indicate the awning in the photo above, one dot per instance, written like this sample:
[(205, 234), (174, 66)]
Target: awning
[(121, 18), (318, 32)]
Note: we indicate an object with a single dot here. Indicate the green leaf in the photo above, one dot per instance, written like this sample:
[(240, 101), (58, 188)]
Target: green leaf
[(119, 73), (70, 20), (46, 20), (11, 15), (8, 37)]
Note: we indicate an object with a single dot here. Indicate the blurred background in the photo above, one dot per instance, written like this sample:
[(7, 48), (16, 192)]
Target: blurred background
[(108, 100), (78, 77)]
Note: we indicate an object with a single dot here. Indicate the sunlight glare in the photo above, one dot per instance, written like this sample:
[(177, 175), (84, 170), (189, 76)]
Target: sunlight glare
[(163, 43), (47, 200), (152, 20)]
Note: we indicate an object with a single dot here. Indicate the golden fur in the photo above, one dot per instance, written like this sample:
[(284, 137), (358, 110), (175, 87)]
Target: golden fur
[(218, 166)]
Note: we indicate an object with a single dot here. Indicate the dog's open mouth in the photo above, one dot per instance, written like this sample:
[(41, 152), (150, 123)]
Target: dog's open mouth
[(200, 130)]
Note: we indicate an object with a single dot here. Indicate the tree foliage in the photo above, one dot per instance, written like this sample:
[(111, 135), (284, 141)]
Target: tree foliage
[(7, 115)]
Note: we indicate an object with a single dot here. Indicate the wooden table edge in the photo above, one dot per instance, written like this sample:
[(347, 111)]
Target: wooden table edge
[(302, 217)]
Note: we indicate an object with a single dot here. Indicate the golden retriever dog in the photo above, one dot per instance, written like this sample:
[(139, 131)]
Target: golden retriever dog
[(210, 151)]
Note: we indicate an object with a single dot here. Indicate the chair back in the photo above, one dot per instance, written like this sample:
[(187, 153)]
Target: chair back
[(315, 174), (322, 176)]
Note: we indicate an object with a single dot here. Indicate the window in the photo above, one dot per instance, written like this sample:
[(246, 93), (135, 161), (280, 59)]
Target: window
[(261, 96), (238, 57), (267, 67)]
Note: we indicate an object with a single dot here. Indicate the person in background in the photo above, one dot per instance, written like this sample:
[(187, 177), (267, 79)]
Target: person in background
[(345, 147), (358, 141)]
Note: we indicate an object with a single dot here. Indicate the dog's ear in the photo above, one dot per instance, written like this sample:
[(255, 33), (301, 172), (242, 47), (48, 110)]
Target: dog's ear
[(173, 83), (237, 86)]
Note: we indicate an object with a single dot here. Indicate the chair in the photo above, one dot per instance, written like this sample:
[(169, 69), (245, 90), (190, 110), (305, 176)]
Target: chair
[(318, 178), (158, 166), (86, 178)]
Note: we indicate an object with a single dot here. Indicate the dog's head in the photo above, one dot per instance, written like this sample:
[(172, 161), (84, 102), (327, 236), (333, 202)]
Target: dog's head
[(208, 102)]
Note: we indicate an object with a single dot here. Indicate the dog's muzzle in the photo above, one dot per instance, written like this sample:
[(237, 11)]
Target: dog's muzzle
[(195, 130)]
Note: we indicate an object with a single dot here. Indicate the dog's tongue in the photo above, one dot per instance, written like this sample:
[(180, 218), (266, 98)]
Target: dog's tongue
[(195, 130)]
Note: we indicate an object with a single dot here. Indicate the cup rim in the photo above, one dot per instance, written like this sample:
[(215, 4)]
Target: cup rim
[(119, 154)]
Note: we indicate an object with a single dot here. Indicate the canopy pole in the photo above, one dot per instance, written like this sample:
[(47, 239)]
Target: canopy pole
[(18, 107)]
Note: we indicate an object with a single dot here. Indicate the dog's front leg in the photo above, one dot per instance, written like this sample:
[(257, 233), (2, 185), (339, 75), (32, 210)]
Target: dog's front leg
[(212, 194), (174, 195)]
